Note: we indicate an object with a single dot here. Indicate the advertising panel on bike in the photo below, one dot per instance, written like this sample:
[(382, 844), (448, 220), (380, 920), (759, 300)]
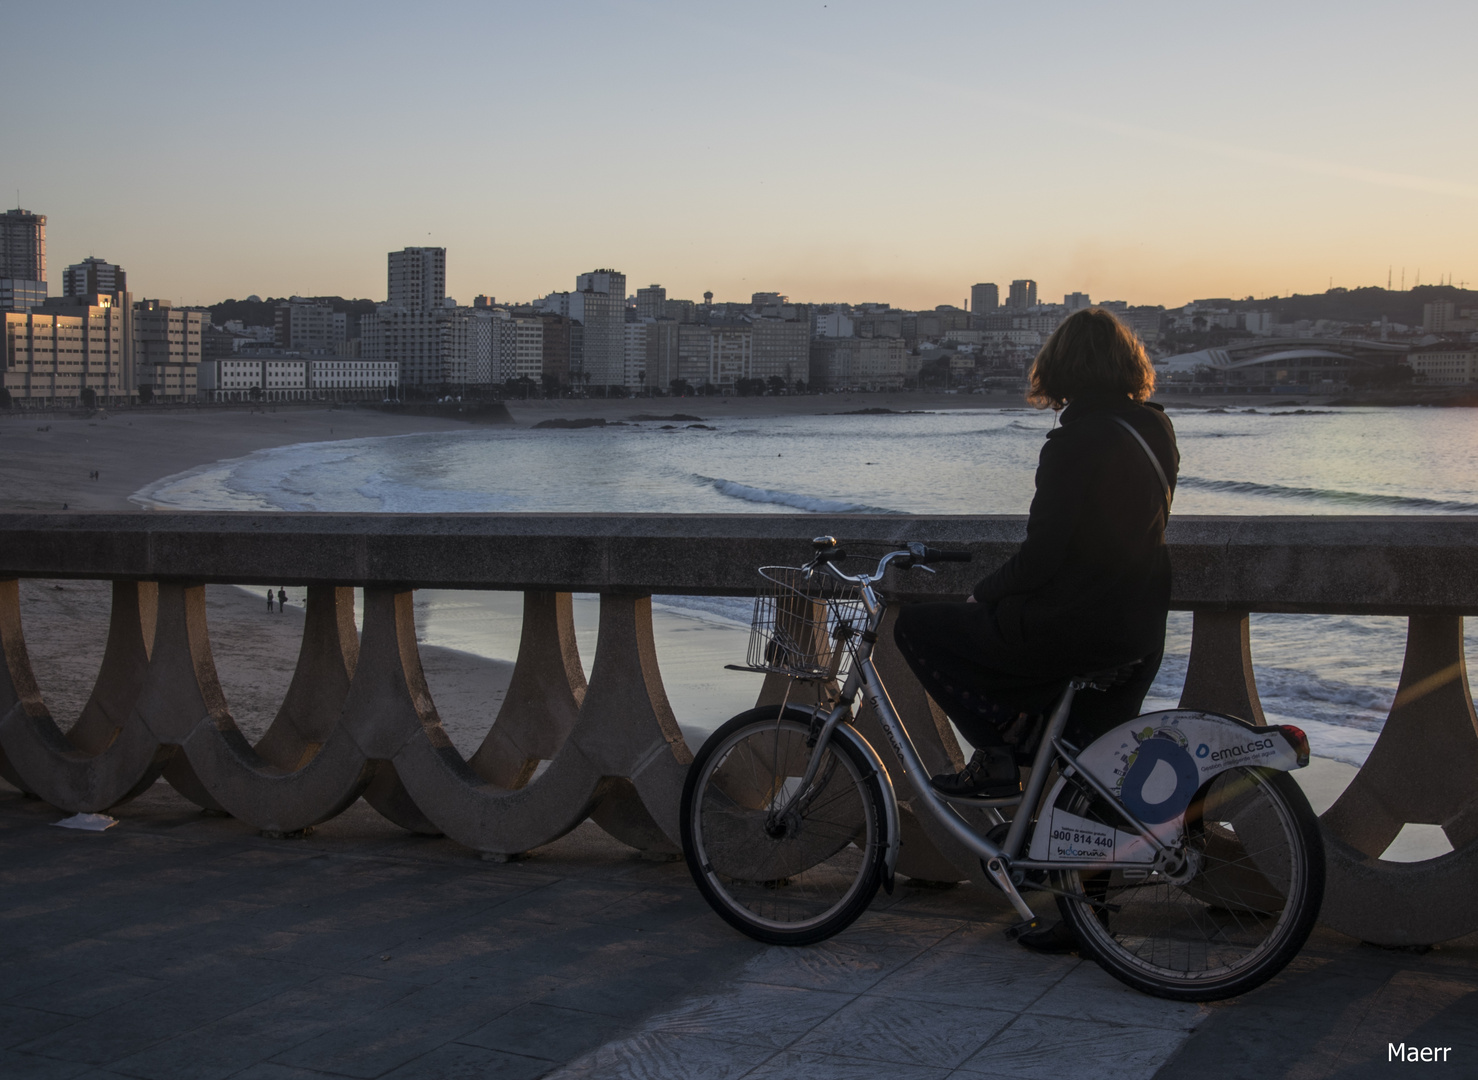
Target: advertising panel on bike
[(1155, 764)]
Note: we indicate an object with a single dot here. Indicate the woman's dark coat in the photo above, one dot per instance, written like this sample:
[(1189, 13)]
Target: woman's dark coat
[(1090, 585), (1088, 589)]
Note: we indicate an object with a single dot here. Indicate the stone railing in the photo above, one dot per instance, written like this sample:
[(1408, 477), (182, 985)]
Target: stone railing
[(357, 719)]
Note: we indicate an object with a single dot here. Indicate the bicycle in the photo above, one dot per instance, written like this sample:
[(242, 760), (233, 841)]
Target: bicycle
[(1177, 847)]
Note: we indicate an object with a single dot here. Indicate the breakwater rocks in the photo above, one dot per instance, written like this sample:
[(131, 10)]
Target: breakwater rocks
[(580, 422), (601, 422)]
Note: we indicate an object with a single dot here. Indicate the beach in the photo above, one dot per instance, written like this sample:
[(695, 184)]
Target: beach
[(45, 460)]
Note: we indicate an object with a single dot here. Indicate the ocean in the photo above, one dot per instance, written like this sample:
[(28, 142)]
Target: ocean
[(1333, 675)]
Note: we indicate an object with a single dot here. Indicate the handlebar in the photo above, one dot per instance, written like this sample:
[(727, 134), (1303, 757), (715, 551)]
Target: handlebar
[(915, 554)]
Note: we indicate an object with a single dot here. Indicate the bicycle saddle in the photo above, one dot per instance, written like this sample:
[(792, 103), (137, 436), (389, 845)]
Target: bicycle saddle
[(1110, 677)]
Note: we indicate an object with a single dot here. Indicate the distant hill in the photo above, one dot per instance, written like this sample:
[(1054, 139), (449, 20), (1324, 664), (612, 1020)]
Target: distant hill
[(1359, 305), (263, 312)]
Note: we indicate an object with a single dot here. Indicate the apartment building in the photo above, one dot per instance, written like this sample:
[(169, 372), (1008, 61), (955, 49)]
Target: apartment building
[(858, 363), (166, 350), (1447, 364), (50, 358), (272, 378), (307, 327)]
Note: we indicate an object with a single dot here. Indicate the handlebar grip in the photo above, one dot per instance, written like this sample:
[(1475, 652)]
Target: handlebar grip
[(935, 555)]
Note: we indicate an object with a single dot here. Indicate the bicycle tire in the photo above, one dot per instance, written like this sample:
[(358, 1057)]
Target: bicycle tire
[(1237, 921), (788, 883)]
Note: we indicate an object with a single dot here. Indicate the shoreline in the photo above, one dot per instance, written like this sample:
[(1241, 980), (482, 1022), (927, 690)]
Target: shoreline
[(46, 462)]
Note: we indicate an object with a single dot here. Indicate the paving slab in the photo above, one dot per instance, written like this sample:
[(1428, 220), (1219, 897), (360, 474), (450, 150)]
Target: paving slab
[(184, 946)]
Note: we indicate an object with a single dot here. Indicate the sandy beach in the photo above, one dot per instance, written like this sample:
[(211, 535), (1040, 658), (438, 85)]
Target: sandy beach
[(45, 461)]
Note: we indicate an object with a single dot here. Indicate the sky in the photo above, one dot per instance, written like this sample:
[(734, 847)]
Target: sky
[(1149, 152)]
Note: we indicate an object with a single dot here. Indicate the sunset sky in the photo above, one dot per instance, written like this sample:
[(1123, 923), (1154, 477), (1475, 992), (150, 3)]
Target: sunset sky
[(1151, 152)]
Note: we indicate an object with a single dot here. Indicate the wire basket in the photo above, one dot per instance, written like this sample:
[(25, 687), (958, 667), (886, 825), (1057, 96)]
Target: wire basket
[(803, 623)]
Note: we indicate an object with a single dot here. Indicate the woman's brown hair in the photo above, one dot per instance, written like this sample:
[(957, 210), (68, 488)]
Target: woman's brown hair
[(1090, 353)]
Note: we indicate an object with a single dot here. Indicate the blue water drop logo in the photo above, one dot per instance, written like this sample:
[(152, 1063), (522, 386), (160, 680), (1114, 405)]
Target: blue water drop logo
[(1202, 750)]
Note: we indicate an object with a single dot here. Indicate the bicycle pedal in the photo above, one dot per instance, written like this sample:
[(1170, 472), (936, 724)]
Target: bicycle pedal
[(1014, 932)]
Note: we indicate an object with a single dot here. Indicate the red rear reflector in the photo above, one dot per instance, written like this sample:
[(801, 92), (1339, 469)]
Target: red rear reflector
[(1298, 740)]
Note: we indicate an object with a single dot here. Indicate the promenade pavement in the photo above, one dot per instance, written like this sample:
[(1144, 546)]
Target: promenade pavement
[(182, 946)]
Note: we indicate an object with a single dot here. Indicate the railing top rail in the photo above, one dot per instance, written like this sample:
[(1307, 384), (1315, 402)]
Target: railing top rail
[(1348, 564)]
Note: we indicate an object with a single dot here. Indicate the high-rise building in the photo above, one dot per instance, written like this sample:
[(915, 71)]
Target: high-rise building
[(93, 275), (23, 245), (22, 260), (1076, 301), (1023, 295), (984, 298), (417, 328), (600, 297), (417, 278), (651, 302)]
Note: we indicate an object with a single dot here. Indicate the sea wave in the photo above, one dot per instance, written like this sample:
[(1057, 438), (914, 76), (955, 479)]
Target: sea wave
[(1414, 503), (811, 503)]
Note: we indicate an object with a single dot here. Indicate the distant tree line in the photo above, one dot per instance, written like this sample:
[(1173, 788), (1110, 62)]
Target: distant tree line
[(264, 312)]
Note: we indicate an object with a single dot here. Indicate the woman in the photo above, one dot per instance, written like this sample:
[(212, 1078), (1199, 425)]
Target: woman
[(1089, 588)]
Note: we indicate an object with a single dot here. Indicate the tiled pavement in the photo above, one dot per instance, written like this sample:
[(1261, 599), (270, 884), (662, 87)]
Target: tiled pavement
[(177, 945)]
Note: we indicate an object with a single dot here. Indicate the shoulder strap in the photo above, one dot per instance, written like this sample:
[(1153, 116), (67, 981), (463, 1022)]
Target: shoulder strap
[(1155, 461)]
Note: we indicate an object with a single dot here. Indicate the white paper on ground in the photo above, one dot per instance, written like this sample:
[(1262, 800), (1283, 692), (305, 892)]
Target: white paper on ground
[(87, 822)]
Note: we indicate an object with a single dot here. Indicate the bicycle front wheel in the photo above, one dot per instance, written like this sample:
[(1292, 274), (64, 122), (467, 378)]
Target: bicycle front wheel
[(790, 879), (1232, 917)]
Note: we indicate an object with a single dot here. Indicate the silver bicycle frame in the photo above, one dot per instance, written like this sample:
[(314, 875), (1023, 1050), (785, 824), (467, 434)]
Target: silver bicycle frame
[(997, 861)]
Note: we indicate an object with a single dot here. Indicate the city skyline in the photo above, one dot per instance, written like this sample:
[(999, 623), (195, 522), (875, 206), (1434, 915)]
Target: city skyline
[(1140, 158)]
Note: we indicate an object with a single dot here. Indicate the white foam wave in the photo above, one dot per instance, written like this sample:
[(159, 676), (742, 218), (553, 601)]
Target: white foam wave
[(810, 503)]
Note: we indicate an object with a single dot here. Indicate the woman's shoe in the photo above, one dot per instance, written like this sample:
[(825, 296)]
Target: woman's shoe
[(991, 774), (1054, 940)]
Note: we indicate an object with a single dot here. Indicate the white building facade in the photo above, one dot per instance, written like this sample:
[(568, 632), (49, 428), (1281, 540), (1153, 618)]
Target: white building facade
[(274, 378)]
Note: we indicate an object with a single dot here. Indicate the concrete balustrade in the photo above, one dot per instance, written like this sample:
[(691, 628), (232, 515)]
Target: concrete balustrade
[(358, 721)]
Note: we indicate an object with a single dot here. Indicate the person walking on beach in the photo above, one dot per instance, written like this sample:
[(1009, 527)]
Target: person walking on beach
[(269, 599), (281, 600)]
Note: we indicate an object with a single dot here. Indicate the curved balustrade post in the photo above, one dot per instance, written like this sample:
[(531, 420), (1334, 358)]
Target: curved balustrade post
[(389, 704), (1219, 675), (108, 755), (306, 768), (181, 689), (543, 698), (1422, 770), (421, 782), (627, 728)]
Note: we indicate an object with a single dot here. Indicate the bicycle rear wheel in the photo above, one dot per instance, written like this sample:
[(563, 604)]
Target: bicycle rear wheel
[(785, 881), (1242, 909)]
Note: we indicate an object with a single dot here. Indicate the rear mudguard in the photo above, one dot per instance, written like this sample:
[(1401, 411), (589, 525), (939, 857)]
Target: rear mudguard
[(1155, 764)]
